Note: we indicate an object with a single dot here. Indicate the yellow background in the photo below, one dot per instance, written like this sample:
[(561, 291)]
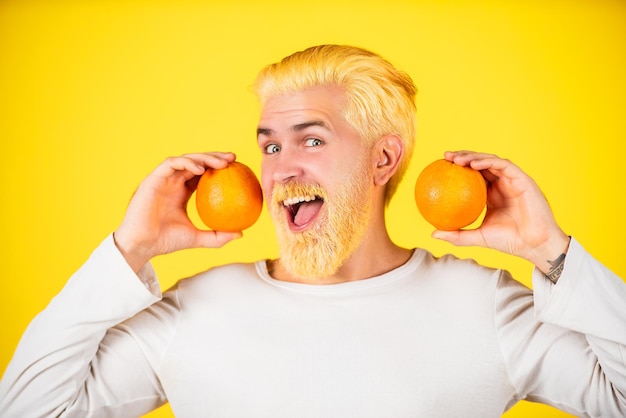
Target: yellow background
[(94, 94)]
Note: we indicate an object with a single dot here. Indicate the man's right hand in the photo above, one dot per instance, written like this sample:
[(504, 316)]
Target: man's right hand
[(156, 220)]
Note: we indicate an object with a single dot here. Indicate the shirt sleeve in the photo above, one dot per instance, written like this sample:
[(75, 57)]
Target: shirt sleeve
[(63, 366), (565, 344)]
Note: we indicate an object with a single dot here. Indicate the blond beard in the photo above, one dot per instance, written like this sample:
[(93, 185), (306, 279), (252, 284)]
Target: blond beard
[(321, 250)]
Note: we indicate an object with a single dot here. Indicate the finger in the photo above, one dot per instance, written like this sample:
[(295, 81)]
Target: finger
[(465, 158), (215, 160), (492, 166), (184, 165), (191, 165), (470, 158), (475, 160), (451, 155), (498, 167)]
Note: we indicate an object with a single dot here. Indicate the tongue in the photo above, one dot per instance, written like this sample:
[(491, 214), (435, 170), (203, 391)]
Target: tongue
[(306, 212)]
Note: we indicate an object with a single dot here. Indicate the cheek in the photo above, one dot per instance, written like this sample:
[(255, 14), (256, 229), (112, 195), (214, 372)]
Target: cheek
[(266, 181)]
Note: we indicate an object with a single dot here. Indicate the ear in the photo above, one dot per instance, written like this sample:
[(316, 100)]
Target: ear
[(386, 156)]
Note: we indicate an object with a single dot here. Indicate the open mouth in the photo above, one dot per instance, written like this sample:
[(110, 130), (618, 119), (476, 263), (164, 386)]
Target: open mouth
[(302, 210)]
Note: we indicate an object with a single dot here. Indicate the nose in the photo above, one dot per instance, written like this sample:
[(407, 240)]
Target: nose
[(286, 167)]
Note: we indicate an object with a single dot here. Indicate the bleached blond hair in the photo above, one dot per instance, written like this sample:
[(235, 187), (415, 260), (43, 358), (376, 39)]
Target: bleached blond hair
[(380, 99)]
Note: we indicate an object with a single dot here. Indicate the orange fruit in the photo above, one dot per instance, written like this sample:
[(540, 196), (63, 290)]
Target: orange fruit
[(450, 196), (229, 199)]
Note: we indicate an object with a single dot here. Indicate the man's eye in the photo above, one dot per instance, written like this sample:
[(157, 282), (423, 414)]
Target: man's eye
[(313, 142), (272, 149)]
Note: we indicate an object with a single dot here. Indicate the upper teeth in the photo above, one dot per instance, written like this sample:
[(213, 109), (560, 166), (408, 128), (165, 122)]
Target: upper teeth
[(295, 200)]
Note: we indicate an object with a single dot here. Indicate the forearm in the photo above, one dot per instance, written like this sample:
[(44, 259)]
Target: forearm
[(590, 299), (566, 347), (53, 358)]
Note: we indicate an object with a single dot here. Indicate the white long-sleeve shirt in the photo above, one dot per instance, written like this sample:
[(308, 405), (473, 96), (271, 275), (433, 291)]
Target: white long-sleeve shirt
[(436, 337)]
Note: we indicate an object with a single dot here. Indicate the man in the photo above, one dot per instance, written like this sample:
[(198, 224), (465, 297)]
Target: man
[(345, 323)]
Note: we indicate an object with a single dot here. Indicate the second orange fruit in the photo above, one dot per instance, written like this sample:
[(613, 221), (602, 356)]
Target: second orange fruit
[(229, 199), (450, 196)]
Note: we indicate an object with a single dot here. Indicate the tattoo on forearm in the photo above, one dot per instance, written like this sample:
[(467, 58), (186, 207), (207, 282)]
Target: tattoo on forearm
[(557, 268)]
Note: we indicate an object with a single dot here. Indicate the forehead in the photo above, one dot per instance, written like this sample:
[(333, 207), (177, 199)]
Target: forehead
[(322, 101)]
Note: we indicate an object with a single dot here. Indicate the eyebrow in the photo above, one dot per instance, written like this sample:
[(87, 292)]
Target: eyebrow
[(295, 128)]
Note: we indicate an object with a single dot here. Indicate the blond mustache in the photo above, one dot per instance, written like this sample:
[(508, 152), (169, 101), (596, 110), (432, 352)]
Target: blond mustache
[(281, 192)]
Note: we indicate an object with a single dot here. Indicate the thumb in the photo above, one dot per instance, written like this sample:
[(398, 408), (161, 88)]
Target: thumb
[(215, 239), (461, 238)]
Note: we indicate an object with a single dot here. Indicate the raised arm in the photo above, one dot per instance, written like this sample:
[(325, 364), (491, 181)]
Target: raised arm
[(568, 349), (71, 361), (518, 220), (156, 221)]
